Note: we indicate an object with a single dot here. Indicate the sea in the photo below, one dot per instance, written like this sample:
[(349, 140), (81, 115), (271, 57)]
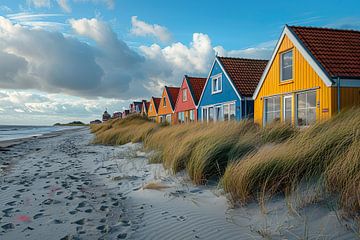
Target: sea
[(8, 132)]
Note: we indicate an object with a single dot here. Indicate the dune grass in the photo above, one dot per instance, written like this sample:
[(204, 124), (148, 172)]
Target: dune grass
[(327, 153), (252, 161)]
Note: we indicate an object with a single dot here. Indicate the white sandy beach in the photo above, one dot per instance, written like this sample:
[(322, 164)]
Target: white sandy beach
[(63, 187)]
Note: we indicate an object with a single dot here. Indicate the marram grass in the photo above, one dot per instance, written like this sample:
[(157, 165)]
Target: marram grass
[(252, 161)]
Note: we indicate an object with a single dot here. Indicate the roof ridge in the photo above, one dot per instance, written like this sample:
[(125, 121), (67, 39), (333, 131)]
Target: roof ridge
[(325, 28), (240, 58)]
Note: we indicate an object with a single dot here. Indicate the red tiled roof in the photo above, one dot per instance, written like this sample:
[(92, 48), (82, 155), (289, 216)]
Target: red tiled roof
[(338, 51), (156, 102), (244, 73), (173, 93), (196, 85), (147, 106)]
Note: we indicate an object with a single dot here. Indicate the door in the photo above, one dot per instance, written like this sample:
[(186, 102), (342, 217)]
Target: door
[(287, 109)]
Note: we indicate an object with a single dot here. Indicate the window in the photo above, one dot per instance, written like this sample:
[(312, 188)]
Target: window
[(168, 118), (211, 114), (272, 109), (204, 114), (216, 84), (306, 108), (232, 111), (184, 95), (287, 109), (181, 117), (286, 64), (150, 107), (226, 112), (192, 116), (219, 113), (164, 102)]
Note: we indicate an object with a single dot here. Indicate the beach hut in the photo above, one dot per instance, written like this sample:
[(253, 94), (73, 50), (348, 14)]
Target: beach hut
[(144, 108), (312, 75), (166, 112), (188, 98), (125, 113), (153, 108), (135, 107), (228, 91)]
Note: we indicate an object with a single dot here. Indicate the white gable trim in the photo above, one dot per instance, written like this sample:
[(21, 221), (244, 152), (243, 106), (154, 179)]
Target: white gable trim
[(304, 52), (226, 75)]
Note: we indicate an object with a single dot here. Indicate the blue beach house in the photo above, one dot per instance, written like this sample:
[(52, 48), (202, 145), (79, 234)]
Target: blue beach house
[(228, 91)]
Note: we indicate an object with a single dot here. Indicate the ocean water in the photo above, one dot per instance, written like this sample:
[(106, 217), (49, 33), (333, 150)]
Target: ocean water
[(19, 132)]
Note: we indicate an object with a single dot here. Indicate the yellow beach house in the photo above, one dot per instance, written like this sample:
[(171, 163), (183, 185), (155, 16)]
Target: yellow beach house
[(313, 74)]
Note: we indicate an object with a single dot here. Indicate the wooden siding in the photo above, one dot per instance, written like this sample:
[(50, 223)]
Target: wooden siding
[(162, 111), (304, 78), (152, 113)]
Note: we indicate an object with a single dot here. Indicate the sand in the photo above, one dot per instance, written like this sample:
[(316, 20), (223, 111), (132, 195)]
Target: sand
[(63, 187)]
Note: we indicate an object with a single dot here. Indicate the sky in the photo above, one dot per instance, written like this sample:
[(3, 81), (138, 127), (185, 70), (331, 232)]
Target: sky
[(66, 60)]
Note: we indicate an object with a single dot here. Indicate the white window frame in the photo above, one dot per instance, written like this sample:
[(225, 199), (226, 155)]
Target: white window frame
[(219, 78), (150, 107), (220, 105), (281, 66), (284, 107), (273, 111), (306, 108), (184, 95)]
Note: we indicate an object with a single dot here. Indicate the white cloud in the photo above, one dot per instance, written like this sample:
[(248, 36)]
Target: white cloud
[(64, 4), (39, 3), (141, 28)]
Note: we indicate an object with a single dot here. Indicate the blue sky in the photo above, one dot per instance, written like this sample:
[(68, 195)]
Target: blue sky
[(71, 59)]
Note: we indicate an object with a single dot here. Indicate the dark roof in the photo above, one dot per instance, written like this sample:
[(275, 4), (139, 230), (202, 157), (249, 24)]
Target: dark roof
[(244, 73), (196, 86), (156, 102), (173, 93), (337, 51)]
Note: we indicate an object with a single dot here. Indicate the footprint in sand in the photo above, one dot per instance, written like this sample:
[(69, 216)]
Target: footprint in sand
[(8, 226), (80, 221), (36, 216), (122, 236)]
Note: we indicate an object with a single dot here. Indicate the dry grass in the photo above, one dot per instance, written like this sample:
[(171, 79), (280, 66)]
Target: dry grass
[(327, 154), (254, 163), (155, 186)]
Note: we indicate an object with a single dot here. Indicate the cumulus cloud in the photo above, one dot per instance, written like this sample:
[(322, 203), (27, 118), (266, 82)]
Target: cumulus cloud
[(55, 63), (141, 28)]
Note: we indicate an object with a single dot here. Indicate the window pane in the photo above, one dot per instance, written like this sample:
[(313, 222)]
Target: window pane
[(211, 114), (311, 116), (204, 114), (301, 115), (286, 65), (301, 100), (184, 95), (192, 118), (226, 112), (311, 100), (219, 84), (232, 111)]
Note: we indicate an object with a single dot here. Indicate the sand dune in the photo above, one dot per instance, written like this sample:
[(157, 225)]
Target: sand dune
[(65, 188)]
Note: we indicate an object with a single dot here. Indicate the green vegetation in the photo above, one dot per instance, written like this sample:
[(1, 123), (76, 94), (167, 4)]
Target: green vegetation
[(251, 162), (74, 123)]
